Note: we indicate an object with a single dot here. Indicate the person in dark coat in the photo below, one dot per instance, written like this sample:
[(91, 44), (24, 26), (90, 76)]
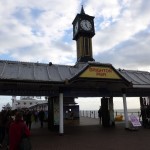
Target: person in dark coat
[(41, 117), (28, 119), (100, 115), (3, 120)]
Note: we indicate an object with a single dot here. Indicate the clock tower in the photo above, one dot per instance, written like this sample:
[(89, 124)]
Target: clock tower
[(83, 31)]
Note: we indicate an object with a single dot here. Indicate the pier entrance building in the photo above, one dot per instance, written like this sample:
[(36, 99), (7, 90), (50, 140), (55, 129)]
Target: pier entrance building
[(64, 83)]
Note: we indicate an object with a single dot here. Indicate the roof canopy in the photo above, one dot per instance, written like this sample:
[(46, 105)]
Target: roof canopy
[(91, 79)]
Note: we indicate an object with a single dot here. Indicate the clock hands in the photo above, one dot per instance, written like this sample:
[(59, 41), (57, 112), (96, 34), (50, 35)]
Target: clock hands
[(87, 25)]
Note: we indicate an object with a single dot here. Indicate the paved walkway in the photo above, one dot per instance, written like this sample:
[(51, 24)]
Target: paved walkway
[(88, 135)]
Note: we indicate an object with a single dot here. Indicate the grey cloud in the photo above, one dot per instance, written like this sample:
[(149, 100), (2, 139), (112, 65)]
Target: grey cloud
[(132, 53)]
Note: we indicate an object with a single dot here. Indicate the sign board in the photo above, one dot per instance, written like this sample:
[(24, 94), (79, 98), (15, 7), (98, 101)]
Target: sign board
[(135, 122), (100, 72)]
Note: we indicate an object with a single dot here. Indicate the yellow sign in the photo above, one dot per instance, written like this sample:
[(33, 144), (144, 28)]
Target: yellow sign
[(100, 72)]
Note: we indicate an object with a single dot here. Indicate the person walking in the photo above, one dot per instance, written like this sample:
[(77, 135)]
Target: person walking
[(28, 119), (41, 117), (35, 116), (17, 128), (3, 120), (100, 115), (8, 123)]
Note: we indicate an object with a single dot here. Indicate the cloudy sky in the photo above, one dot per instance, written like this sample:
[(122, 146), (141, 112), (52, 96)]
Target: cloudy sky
[(41, 31)]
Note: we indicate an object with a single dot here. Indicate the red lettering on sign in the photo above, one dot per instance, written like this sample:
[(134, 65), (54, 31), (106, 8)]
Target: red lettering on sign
[(101, 74), (100, 70)]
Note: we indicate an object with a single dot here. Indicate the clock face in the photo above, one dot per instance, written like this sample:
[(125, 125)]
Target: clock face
[(86, 25), (76, 27)]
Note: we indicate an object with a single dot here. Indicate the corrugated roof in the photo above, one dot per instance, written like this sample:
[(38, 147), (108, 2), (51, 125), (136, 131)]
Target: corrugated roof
[(26, 71), (139, 79), (13, 70)]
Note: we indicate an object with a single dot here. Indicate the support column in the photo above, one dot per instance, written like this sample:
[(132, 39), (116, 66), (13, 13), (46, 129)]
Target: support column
[(61, 118), (125, 111), (105, 112), (143, 111), (111, 112)]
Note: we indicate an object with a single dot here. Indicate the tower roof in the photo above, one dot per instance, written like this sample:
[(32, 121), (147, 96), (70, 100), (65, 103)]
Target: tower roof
[(82, 10)]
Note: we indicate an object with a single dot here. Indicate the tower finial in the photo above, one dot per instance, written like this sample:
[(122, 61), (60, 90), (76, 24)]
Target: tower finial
[(82, 10)]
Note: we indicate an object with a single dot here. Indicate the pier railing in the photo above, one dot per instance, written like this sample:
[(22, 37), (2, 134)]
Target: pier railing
[(94, 113)]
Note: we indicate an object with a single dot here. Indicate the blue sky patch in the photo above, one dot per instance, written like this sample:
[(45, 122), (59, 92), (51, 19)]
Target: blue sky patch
[(35, 12)]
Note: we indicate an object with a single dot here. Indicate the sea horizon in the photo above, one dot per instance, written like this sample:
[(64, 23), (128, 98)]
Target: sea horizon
[(94, 113)]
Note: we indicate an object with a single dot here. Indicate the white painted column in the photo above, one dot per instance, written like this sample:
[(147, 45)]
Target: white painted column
[(61, 117), (125, 111)]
